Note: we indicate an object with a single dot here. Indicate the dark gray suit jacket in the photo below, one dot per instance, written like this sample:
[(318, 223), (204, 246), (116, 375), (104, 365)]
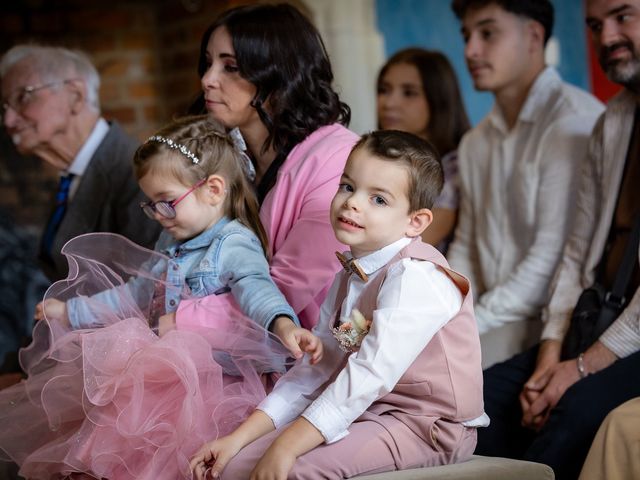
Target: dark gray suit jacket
[(107, 200)]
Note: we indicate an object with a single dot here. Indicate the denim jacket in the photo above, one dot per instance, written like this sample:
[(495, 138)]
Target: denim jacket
[(226, 257)]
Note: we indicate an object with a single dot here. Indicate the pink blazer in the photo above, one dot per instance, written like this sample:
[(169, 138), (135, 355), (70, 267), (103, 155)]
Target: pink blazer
[(295, 214)]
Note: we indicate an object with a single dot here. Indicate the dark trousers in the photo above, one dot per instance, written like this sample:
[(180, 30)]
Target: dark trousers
[(564, 441)]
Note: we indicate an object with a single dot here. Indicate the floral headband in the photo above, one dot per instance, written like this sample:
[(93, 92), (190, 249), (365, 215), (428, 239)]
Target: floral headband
[(177, 146), (236, 139)]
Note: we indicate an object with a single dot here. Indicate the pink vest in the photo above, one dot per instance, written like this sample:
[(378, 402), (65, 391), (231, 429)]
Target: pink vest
[(445, 381)]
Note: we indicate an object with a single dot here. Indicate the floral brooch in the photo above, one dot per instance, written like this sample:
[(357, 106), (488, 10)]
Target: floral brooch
[(351, 333)]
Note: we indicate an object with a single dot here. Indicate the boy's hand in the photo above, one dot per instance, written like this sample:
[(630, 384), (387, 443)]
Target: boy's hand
[(214, 456), (298, 340), (52, 309), (275, 464), (166, 323)]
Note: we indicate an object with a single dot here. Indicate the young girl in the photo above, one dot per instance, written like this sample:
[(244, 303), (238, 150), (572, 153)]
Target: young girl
[(117, 401), (400, 383)]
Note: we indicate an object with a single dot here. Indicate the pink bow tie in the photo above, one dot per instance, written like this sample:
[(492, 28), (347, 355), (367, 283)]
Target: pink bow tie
[(351, 266)]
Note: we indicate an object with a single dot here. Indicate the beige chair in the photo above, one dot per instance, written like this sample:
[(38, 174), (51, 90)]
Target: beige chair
[(478, 468)]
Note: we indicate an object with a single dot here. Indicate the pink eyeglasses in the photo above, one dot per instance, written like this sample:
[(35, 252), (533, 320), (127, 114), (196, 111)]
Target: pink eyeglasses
[(167, 209)]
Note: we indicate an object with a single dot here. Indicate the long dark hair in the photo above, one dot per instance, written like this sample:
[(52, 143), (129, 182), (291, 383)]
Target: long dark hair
[(281, 53), (448, 119)]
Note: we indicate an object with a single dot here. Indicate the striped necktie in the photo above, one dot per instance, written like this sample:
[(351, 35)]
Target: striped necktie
[(62, 196)]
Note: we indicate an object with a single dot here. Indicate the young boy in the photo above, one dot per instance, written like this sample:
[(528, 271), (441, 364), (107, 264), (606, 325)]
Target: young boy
[(400, 382)]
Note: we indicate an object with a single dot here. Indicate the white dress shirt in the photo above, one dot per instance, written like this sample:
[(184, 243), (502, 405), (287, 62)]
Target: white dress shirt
[(516, 198), (414, 302), (85, 154)]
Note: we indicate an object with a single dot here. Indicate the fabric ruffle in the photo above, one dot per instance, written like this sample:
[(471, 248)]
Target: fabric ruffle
[(118, 401)]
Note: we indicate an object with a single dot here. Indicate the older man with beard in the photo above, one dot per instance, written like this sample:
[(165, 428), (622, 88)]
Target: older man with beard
[(544, 408)]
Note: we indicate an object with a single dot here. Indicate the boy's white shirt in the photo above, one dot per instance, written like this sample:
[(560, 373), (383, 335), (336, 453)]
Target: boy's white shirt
[(415, 301)]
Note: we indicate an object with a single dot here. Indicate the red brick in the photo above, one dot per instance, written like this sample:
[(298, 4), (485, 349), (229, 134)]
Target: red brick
[(138, 41), (99, 20), (123, 114), (116, 68), (11, 24), (143, 89)]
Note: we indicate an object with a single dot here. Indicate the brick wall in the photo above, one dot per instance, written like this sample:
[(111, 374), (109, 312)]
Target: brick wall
[(146, 52)]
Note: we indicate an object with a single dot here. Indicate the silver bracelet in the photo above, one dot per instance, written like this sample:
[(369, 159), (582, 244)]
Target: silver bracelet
[(580, 363)]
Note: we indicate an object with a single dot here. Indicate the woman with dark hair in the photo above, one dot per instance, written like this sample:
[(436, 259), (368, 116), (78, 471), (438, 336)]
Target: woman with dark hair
[(418, 93), (266, 73)]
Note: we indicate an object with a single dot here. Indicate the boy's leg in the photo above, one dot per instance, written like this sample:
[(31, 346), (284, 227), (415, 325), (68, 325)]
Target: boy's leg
[(505, 437), (373, 448), (369, 448)]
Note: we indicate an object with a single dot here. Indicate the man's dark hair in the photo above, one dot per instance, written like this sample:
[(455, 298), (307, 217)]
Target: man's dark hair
[(539, 10)]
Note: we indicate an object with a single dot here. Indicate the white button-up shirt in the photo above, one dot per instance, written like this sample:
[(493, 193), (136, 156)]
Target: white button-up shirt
[(85, 154), (516, 198), (414, 302)]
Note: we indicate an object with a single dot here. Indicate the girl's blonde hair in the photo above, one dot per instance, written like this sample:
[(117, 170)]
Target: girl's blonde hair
[(215, 153)]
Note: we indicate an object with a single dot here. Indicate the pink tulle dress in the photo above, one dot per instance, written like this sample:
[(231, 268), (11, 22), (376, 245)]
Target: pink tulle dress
[(118, 401)]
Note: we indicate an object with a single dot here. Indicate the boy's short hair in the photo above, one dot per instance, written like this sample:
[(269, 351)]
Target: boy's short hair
[(419, 156), (539, 10)]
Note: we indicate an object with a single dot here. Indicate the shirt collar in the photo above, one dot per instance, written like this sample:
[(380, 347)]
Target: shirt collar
[(84, 156), (378, 259), (536, 100)]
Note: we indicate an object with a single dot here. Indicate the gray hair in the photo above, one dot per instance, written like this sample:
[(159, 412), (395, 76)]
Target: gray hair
[(56, 63)]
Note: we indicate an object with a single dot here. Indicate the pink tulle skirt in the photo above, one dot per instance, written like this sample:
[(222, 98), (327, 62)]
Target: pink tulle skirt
[(118, 401)]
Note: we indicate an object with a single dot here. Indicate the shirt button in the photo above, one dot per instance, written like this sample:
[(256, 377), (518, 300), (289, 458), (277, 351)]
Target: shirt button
[(172, 302)]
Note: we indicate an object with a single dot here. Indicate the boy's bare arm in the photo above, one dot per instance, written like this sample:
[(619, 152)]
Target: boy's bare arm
[(299, 438), (214, 456)]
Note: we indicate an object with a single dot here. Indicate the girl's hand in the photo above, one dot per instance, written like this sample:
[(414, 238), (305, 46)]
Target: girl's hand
[(275, 464), (298, 340), (52, 309), (214, 456), (166, 323)]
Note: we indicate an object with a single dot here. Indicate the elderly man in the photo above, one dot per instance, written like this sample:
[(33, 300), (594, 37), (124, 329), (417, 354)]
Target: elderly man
[(563, 401), (50, 108)]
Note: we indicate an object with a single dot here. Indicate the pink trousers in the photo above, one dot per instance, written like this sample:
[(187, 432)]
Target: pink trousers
[(369, 448)]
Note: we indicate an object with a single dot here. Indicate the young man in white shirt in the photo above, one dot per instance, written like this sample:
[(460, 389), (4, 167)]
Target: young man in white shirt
[(545, 407), (517, 169)]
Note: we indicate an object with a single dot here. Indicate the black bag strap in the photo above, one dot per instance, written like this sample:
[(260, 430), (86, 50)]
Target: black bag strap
[(616, 296)]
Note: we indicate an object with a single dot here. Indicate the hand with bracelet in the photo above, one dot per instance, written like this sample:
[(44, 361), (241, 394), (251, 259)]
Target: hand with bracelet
[(545, 391)]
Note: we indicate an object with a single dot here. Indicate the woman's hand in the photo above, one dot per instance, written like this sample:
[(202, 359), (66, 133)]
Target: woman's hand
[(211, 459), (275, 464), (52, 309), (298, 340)]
